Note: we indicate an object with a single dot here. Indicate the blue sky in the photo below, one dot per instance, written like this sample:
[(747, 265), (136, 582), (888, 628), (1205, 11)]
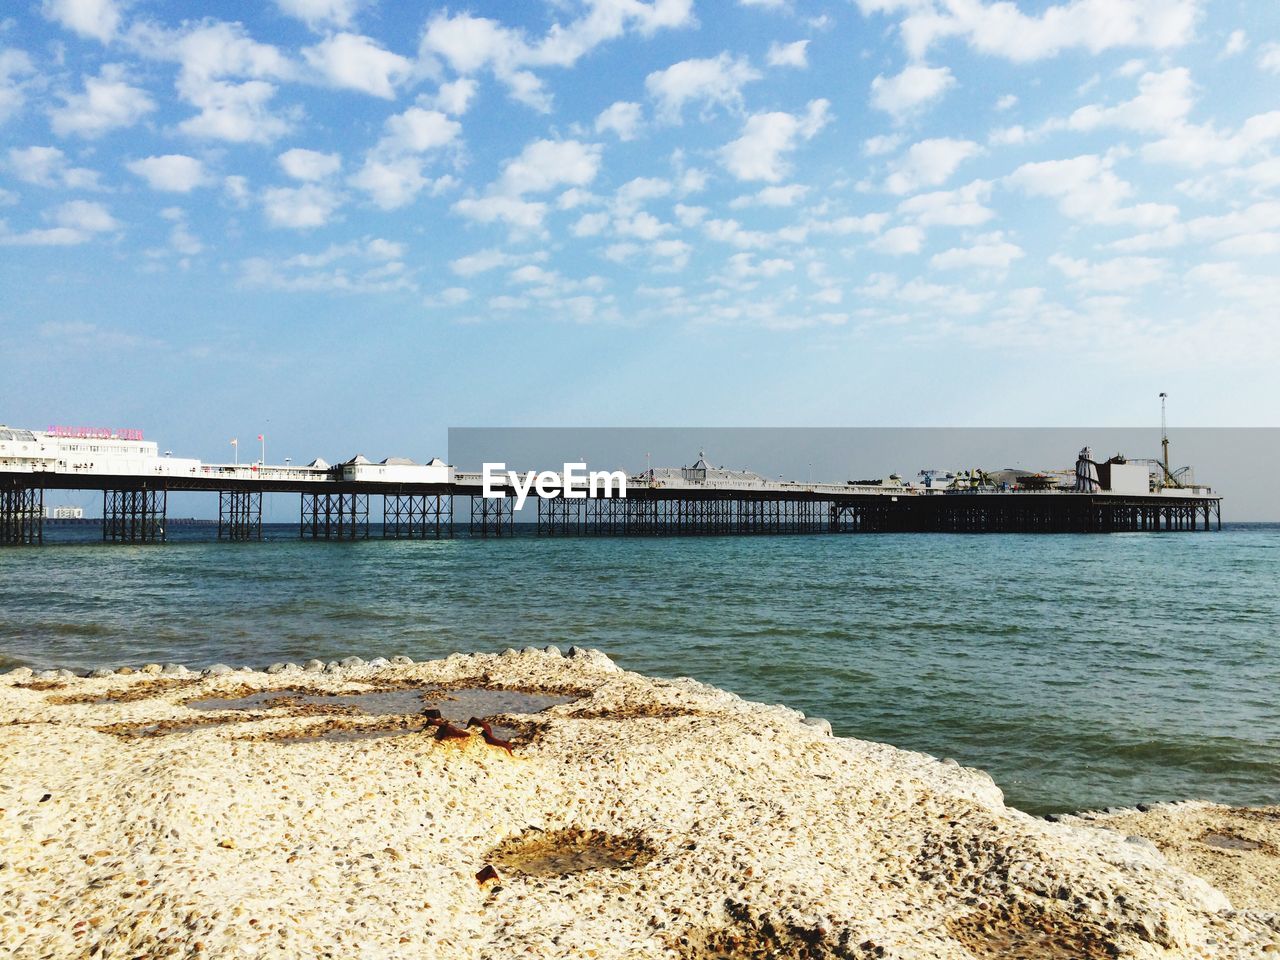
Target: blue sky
[(353, 225)]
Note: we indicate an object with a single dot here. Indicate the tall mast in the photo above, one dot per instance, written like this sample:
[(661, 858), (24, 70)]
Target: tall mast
[(1164, 433)]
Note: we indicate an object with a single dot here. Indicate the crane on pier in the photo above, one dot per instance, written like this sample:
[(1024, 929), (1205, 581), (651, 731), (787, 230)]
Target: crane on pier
[(1170, 478)]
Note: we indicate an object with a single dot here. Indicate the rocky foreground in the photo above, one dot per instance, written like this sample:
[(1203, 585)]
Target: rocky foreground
[(167, 813)]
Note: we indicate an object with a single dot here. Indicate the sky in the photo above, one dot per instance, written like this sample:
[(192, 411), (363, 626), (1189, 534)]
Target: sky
[(351, 225)]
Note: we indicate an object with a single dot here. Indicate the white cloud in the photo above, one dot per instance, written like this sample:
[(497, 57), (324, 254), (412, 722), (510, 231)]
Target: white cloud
[(48, 167), (636, 192), (1198, 145), (544, 164), (676, 253), (454, 98), (212, 55), (1269, 57), (732, 232), (760, 153), (300, 208), (912, 88), (354, 62), (392, 173), (369, 266), (962, 207), (786, 196), (469, 44), (213, 49), (451, 297), (1163, 101), (74, 222), (621, 118), (98, 19), (991, 251), (689, 216), (417, 131), (237, 190), (1001, 29), (235, 112), (391, 183), (484, 260), (517, 213), (173, 172), (107, 103), (1007, 102), (935, 297), (310, 165), (1010, 136), (716, 81), (1087, 190), (642, 226), (320, 13), (181, 239), (1236, 43), (929, 163), (788, 54), (1122, 273), (14, 66), (590, 224), (899, 240), (843, 226), (1261, 217), (85, 216), (879, 145)]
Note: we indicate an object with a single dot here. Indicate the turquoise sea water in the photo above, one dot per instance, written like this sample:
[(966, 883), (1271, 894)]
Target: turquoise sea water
[(1080, 671)]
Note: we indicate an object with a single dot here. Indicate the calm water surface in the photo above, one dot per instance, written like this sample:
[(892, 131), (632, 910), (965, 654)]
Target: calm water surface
[(1081, 671)]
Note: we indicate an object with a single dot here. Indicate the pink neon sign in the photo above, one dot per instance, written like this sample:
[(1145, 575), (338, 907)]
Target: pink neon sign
[(94, 433)]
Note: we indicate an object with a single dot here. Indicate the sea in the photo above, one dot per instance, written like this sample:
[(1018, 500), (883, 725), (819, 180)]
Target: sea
[(1080, 671)]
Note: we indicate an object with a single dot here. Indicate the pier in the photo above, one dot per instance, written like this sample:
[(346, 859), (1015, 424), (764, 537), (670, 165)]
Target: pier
[(435, 501)]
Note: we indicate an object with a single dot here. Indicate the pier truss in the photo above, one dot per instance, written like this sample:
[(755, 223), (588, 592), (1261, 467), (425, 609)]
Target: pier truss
[(408, 516), (493, 516), (335, 516), (644, 514), (21, 515), (1025, 513), (134, 516), (239, 515)]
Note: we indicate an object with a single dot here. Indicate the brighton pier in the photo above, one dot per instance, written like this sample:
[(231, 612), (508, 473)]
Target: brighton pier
[(421, 501)]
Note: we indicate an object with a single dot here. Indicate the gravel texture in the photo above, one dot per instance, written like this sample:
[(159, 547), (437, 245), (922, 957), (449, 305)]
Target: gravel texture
[(646, 818)]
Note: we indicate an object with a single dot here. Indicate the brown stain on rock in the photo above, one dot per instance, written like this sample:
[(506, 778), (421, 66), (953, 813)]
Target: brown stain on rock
[(138, 690), (753, 935), (570, 850), (1020, 932)]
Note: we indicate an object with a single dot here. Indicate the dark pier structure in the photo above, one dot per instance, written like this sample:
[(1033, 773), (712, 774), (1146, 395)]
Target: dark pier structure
[(134, 510)]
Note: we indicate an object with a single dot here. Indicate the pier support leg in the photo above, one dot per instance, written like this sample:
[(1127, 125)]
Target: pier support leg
[(21, 515), (492, 517), (239, 515), (410, 516), (134, 516), (334, 516)]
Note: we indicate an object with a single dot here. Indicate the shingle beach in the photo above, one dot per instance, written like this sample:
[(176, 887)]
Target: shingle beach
[(631, 818)]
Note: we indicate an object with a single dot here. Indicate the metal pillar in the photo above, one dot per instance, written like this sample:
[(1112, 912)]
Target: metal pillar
[(492, 517), (239, 515), (334, 516), (408, 516), (21, 515), (134, 516)]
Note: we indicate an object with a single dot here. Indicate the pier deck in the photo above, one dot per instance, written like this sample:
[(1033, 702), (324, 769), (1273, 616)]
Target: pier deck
[(333, 508)]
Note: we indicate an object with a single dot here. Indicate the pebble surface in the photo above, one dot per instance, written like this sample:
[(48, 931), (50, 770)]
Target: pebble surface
[(687, 823)]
